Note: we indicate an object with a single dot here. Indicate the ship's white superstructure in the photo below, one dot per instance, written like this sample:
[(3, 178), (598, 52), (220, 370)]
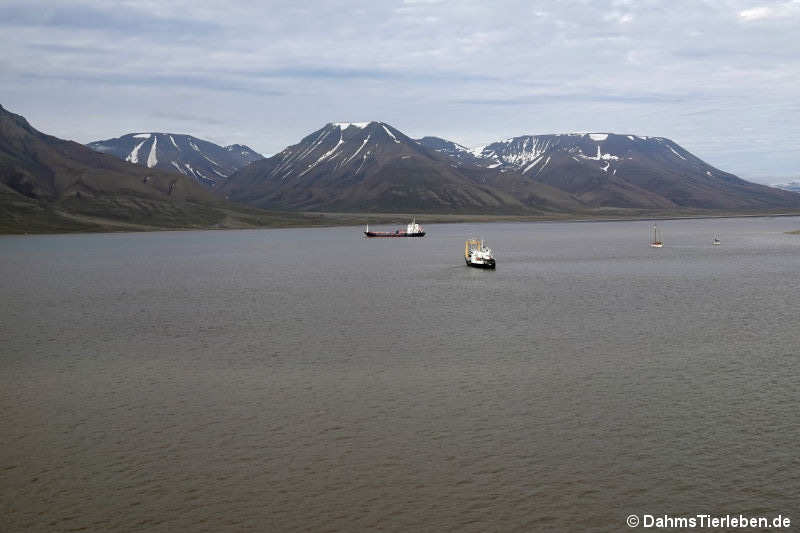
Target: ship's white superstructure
[(477, 254), (413, 227)]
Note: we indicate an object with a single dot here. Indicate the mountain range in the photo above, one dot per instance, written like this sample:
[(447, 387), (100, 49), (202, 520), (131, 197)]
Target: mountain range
[(50, 184), (152, 180), (611, 170), (203, 161), (375, 167)]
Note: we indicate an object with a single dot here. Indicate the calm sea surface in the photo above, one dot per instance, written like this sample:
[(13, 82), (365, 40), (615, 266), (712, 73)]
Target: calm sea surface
[(309, 379)]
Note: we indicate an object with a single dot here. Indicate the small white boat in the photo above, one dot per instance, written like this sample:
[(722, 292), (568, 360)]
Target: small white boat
[(655, 240), (716, 241)]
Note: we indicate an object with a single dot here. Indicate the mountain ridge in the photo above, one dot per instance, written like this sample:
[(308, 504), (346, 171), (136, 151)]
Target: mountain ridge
[(50, 184), (373, 166), (204, 161), (621, 170)]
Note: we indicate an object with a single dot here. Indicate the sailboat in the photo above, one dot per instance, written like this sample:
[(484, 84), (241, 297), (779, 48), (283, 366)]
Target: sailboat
[(655, 241)]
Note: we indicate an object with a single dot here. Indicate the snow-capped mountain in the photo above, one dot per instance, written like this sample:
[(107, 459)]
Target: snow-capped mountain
[(452, 149), (51, 184), (611, 170), (203, 161), (372, 166)]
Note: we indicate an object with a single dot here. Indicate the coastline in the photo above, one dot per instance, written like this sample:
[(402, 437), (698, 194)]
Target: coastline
[(263, 219)]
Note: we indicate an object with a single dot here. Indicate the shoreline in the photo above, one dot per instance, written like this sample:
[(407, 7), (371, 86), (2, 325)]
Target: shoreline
[(285, 220)]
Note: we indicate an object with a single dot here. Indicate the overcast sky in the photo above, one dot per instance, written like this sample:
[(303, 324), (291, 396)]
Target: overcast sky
[(721, 78)]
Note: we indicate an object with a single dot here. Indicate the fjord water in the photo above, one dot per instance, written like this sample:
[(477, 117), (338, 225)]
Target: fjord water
[(309, 379)]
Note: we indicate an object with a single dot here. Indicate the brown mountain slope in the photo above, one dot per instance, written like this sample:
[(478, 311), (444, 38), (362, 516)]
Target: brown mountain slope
[(375, 167), (625, 171), (49, 184)]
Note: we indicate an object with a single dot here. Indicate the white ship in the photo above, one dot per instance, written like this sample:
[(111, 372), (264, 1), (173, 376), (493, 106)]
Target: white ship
[(478, 255)]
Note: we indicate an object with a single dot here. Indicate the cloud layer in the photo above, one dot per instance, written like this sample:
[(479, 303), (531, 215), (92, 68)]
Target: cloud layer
[(720, 77)]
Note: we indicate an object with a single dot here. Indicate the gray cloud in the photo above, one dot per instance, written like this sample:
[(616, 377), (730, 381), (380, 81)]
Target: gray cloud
[(548, 99), (117, 18), (211, 82), (186, 117), (714, 76)]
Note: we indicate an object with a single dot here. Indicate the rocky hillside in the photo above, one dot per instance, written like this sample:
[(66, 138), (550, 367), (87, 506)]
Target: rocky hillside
[(49, 184), (203, 161), (610, 170), (375, 167)]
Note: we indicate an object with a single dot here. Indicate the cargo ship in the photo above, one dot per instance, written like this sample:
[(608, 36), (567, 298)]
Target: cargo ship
[(478, 255), (412, 230)]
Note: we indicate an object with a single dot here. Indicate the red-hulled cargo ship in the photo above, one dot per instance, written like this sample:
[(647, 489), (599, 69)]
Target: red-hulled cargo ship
[(412, 230)]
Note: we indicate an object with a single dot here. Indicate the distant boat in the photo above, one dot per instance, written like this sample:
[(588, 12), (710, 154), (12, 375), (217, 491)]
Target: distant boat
[(412, 230), (478, 255), (655, 237), (716, 241)]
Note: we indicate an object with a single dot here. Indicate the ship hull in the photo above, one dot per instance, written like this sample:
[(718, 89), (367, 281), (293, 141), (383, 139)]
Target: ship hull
[(489, 265), (393, 234)]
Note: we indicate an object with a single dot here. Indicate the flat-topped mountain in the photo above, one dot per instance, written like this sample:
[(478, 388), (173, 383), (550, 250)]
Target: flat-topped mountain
[(373, 166), (203, 161), (612, 170)]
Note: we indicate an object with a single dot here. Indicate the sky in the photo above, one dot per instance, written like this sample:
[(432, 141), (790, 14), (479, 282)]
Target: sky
[(720, 78)]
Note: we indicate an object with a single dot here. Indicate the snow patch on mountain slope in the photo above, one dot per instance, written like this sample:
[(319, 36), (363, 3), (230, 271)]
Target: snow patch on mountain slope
[(390, 134), (676, 153), (152, 157), (173, 142), (535, 162), (363, 144), (600, 156), (133, 157), (345, 125), (477, 151), (191, 170), (326, 155), (522, 152), (363, 160), (319, 139), (210, 160), (545, 164), (598, 136), (142, 136)]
